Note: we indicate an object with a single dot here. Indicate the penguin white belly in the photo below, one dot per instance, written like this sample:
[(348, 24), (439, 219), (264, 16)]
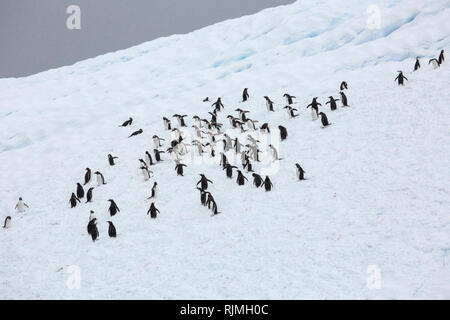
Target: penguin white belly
[(7, 224), (314, 114), (20, 207), (99, 180)]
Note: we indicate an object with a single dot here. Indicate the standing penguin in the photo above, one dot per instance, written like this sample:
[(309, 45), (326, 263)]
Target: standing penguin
[(417, 64), (157, 154), (343, 99), (113, 208), (240, 178), (157, 140), (202, 196), (300, 172), (332, 103), (167, 125), (441, 57), (89, 195), (100, 178), (324, 119), (179, 168), (257, 180), (435, 63), (111, 160), (314, 108), (20, 206), (229, 170), (154, 191), (245, 95), (80, 191), (111, 230), (288, 98), (400, 78), (87, 176), (152, 211), (148, 157), (145, 172), (343, 85), (7, 223), (218, 104), (135, 133), (283, 133), (127, 123), (269, 103), (73, 200), (92, 229), (268, 184), (204, 182)]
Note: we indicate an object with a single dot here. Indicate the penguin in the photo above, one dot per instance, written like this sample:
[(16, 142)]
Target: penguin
[(240, 178), (154, 191), (314, 108), (136, 133), (223, 160), (269, 103), (324, 119), (245, 95), (80, 191), (268, 184), (288, 98), (214, 208), (290, 112), (209, 200), (441, 57), (257, 180), (343, 85), (343, 99), (180, 119), (179, 168), (157, 154), (146, 173), (149, 159), (417, 64), (247, 164), (400, 78), (91, 215), (204, 182), (242, 114), (73, 200), (100, 178), (7, 223), (218, 104), (152, 211), (111, 230), (167, 125), (89, 195), (229, 170), (127, 123), (206, 99), (202, 196), (435, 63), (87, 176), (300, 172), (111, 160), (113, 208), (283, 133), (332, 103), (92, 229), (274, 153), (265, 128)]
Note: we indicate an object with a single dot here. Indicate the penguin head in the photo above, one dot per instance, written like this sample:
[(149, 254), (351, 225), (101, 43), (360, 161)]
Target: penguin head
[(96, 172), (92, 211), (111, 200), (20, 198)]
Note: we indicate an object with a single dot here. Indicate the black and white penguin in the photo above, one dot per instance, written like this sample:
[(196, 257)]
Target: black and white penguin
[(203, 182), (247, 164), (400, 78), (417, 64), (111, 230), (146, 172), (240, 178), (435, 63), (80, 191), (73, 200), (245, 95), (265, 128), (113, 208), (314, 108), (157, 153), (343, 85), (136, 133), (179, 168), (229, 170), (268, 184), (154, 191), (166, 123), (127, 123), (343, 99), (87, 176), (441, 57), (180, 119), (152, 211), (289, 98), (257, 180), (218, 104), (332, 103), (290, 112), (202, 196), (324, 119), (111, 160), (274, 153), (100, 178), (300, 172), (92, 229), (89, 195), (283, 133), (209, 200), (20, 205), (7, 223), (149, 159), (269, 103), (214, 208)]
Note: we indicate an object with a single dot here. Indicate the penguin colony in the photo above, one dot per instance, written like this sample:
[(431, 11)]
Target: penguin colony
[(216, 145)]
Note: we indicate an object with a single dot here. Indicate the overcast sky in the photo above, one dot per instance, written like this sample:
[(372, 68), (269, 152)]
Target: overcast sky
[(34, 36)]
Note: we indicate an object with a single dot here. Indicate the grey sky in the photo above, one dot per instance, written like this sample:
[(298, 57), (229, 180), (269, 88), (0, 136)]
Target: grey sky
[(34, 36)]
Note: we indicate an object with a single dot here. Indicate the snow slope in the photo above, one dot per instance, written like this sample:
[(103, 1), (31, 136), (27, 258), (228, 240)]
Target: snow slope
[(377, 194)]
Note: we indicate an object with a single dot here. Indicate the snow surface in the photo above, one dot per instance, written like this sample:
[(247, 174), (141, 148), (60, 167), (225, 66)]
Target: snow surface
[(377, 194)]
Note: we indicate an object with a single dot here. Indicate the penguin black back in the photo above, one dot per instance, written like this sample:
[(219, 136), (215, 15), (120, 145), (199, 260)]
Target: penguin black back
[(111, 230)]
